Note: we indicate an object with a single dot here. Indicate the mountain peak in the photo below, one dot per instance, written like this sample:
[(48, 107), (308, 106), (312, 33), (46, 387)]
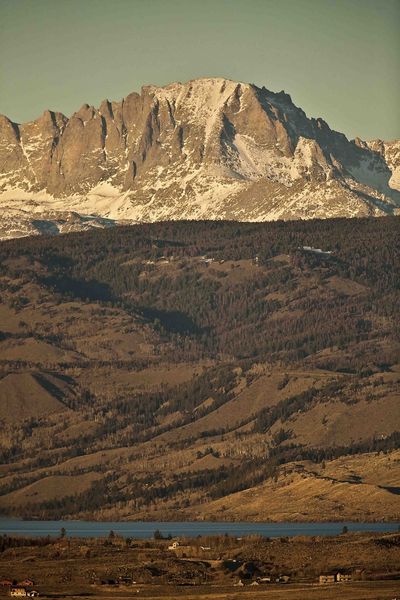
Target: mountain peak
[(207, 148)]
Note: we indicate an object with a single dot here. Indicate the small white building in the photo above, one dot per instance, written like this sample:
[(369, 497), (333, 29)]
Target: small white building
[(18, 592), (327, 578), (343, 577)]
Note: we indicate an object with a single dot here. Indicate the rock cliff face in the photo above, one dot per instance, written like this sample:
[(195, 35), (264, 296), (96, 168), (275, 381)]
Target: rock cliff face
[(209, 148)]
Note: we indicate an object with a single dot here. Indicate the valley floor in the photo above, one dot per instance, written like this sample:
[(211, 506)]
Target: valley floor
[(377, 590), (206, 568)]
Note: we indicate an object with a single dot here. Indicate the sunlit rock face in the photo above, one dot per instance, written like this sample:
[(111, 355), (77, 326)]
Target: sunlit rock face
[(206, 149)]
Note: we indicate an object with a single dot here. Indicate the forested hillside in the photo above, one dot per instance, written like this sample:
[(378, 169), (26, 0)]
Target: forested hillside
[(196, 369)]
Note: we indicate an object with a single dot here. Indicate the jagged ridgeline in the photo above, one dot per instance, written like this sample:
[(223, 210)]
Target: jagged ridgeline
[(206, 149), (202, 370)]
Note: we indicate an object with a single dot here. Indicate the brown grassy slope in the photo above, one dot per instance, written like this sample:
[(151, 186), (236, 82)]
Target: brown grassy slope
[(301, 498), (300, 493), (251, 398), (34, 351), (49, 488), (338, 424), (23, 397)]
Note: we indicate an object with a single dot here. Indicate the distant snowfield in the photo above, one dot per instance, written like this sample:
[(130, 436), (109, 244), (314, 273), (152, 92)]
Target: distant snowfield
[(194, 196), (254, 185)]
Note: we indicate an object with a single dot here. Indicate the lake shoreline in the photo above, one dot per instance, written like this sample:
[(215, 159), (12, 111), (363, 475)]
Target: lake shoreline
[(146, 529)]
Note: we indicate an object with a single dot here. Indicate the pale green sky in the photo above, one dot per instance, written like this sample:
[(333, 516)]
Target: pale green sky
[(339, 59)]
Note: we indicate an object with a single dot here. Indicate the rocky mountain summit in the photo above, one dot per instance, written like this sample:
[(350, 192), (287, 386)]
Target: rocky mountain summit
[(205, 149)]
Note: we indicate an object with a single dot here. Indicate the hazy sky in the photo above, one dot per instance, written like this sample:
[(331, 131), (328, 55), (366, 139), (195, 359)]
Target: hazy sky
[(339, 59)]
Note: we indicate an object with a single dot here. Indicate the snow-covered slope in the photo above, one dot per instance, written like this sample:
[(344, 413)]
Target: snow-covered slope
[(206, 149)]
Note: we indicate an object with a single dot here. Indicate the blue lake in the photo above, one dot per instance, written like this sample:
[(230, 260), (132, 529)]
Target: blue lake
[(143, 530)]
